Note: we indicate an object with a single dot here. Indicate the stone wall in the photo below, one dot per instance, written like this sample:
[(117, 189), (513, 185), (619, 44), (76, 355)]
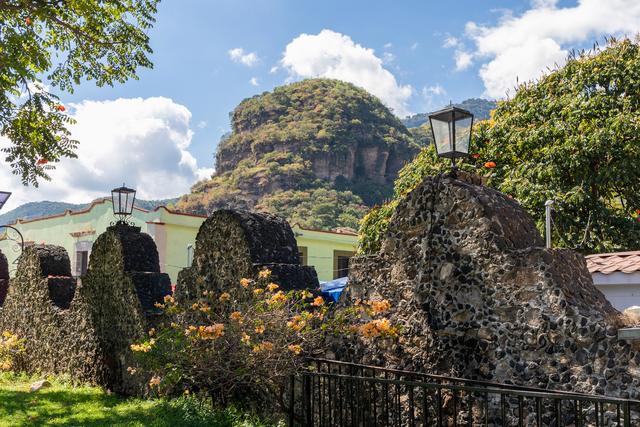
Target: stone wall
[(86, 332), (233, 244), (478, 296)]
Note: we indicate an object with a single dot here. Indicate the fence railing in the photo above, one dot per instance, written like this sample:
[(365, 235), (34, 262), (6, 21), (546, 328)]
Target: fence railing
[(333, 393)]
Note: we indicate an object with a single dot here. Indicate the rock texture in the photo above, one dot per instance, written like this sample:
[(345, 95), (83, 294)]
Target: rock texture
[(86, 332), (234, 244), (310, 135), (479, 297)]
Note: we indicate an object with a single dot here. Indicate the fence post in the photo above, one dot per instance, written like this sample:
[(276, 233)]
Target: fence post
[(307, 399), (292, 390)]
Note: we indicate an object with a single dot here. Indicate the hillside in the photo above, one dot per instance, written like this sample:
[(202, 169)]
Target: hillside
[(47, 208), (480, 108), (318, 152)]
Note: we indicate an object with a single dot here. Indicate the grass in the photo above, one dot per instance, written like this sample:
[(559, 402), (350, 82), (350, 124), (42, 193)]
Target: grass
[(63, 404)]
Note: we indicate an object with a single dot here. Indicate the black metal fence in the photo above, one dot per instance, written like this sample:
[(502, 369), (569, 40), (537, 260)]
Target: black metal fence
[(333, 393)]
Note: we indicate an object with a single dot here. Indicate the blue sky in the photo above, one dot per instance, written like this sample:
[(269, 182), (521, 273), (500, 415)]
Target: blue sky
[(159, 133)]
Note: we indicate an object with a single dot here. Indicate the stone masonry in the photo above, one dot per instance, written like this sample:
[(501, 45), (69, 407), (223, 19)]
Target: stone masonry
[(479, 297)]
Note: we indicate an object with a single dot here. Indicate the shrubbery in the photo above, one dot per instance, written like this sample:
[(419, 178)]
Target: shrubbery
[(242, 344)]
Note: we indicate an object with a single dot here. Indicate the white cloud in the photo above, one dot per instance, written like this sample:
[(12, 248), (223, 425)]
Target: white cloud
[(142, 142), (254, 81), (463, 60), (415, 45), (388, 57), (388, 45), (240, 56), (435, 90), (202, 124), (333, 55), (451, 41), (523, 46), (274, 69)]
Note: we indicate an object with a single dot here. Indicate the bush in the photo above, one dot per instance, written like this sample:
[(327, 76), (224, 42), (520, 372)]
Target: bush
[(11, 349), (241, 345)]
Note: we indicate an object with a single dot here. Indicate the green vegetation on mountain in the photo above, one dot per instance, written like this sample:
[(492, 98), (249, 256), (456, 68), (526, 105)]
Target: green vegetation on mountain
[(318, 152), (47, 208), (573, 137), (480, 108)]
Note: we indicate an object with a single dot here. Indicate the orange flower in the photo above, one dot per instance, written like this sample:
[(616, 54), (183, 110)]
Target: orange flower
[(27, 21), (245, 338), (295, 349), (168, 299), (194, 306), (258, 291), (272, 287), (490, 165), (296, 323), (259, 329), (264, 274), (244, 282), (211, 332), (154, 381), (60, 107), (236, 316), (225, 297), (380, 306), (278, 297), (475, 156), (205, 308), (263, 346), (317, 301)]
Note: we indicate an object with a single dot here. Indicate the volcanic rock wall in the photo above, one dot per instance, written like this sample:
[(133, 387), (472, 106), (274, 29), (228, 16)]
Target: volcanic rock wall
[(86, 332), (233, 244), (478, 296)]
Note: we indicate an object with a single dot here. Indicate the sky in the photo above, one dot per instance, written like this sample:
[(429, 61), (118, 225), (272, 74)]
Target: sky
[(159, 134)]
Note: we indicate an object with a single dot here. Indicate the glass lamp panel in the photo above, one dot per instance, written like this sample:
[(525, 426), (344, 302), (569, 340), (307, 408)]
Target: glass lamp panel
[(463, 134), (130, 199), (4, 196), (442, 131)]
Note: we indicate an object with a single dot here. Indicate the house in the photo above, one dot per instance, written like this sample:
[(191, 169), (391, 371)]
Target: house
[(617, 276), (174, 234)]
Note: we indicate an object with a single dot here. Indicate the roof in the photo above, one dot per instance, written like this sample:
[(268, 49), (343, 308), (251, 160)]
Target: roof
[(617, 262)]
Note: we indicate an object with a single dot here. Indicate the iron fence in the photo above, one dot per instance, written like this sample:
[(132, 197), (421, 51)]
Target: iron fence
[(333, 393)]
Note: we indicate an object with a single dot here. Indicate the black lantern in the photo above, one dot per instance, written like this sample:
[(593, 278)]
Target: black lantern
[(4, 196), (123, 199), (451, 130)]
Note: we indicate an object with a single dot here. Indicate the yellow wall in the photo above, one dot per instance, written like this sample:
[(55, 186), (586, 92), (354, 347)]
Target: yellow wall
[(321, 247), (172, 233)]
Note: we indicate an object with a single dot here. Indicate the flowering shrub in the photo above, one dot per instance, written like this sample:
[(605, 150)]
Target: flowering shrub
[(11, 347), (241, 343)]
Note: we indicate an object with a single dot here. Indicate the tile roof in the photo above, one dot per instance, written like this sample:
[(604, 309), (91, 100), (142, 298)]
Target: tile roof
[(623, 262)]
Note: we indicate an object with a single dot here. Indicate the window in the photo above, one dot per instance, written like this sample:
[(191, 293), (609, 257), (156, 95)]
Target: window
[(341, 263), (302, 254), (82, 261)]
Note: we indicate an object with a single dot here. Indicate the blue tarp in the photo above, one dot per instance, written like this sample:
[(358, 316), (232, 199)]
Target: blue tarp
[(333, 288)]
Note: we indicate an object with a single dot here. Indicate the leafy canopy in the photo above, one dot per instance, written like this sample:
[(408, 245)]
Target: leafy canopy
[(574, 137), (64, 42)]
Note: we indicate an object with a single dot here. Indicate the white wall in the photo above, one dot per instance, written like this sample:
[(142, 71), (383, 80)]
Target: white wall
[(621, 289)]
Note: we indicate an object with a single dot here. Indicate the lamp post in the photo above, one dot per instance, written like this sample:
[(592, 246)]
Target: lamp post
[(451, 130), (123, 199), (4, 196)]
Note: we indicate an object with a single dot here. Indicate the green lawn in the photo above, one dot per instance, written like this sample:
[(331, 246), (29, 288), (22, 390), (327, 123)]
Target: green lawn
[(66, 405)]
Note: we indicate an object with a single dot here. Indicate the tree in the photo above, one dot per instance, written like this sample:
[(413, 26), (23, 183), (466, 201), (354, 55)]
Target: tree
[(574, 137), (62, 42)]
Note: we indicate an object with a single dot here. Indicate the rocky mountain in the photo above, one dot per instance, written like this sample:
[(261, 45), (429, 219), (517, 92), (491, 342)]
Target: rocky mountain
[(317, 151), (480, 108), (47, 208)]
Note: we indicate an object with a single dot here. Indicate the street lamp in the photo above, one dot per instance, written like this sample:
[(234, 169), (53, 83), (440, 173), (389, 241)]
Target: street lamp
[(4, 196), (123, 199), (451, 130)]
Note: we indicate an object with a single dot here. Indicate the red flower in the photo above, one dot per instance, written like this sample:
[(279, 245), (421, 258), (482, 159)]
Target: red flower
[(60, 107), (490, 165), (638, 211), (41, 162), (27, 21), (475, 155)]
